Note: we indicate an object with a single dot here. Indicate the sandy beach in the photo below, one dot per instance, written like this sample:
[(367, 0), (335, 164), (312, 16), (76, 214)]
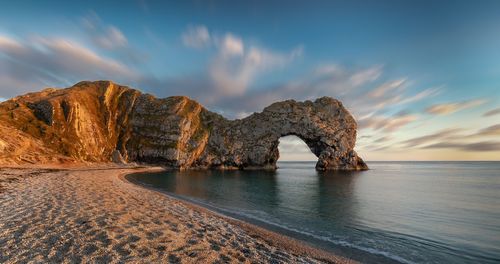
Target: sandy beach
[(94, 215)]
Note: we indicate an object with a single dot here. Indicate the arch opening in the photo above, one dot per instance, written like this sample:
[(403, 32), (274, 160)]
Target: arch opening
[(293, 148)]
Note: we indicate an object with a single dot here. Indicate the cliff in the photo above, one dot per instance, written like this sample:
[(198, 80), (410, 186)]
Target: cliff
[(103, 121)]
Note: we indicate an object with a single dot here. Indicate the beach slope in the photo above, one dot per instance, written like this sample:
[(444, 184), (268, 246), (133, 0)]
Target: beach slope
[(95, 215)]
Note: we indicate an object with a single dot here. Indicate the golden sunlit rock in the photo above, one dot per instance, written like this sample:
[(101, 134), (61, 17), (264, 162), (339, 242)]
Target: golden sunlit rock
[(105, 122)]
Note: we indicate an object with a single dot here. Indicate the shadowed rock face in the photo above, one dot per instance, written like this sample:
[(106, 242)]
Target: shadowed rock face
[(324, 125), (102, 122)]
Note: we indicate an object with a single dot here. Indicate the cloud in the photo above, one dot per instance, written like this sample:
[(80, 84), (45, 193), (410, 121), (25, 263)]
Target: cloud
[(76, 58), (478, 146), (489, 131), (326, 80), (368, 75), (444, 134), (419, 96), (492, 112), (382, 139), (104, 36), (387, 124), (231, 46), (27, 64), (233, 68), (111, 39), (2, 99), (237, 65), (450, 108), (364, 137), (386, 87), (335, 80), (329, 69), (196, 37), (452, 138), (293, 144), (293, 148), (10, 44)]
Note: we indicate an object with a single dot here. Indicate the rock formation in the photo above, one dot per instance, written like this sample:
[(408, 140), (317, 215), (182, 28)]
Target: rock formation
[(103, 122)]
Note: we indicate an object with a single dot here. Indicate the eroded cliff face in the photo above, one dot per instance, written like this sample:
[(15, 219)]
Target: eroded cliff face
[(102, 122)]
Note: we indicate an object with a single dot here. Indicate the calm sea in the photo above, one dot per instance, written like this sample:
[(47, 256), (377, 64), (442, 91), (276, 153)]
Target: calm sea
[(402, 212)]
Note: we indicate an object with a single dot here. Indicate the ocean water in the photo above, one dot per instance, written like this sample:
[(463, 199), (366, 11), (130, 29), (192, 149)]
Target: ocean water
[(400, 212)]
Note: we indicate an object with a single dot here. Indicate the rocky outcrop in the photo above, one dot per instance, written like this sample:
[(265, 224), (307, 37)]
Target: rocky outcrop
[(102, 122)]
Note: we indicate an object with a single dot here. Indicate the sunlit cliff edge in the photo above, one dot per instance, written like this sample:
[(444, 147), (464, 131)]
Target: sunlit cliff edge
[(98, 122)]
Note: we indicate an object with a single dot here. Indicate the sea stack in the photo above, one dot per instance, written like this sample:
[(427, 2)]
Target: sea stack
[(103, 122)]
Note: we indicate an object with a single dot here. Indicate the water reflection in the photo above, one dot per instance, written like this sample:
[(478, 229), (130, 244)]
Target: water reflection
[(328, 195), (416, 212), (337, 198), (236, 187)]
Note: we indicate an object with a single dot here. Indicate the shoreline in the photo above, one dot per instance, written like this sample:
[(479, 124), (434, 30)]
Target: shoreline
[(89, 212), (255, 231)]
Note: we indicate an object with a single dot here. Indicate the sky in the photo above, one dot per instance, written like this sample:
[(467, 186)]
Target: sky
[(422, 78)]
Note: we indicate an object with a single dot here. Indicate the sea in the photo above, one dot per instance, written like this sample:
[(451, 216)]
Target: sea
[(396, 212)]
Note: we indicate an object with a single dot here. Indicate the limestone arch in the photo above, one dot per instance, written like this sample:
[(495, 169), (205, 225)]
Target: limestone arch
[(324, 125)]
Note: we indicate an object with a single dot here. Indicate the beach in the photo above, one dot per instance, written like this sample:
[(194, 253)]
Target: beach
[(94, 215)]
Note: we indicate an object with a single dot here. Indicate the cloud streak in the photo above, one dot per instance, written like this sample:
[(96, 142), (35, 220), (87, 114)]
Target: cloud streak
[(111, 39), (450, 108), (52, 60), (473, 147), (196, 37), (386, 87), (492, 112), (104, 36), (444, 134), (493, 130), (455, 138), (236, 64), (388, 124)]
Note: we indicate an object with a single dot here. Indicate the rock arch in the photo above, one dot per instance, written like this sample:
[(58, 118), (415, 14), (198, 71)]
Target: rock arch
[(324, 125), (102, 121)]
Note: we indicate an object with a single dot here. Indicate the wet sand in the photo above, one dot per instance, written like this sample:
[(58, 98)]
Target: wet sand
[(94, 215)]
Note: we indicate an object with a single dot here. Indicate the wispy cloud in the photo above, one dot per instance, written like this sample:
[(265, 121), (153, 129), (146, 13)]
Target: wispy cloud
[(368, 75), (489, 131), (456, 138), (427, 93), (111, 39), (387, 124), (450, 108), (386, 87), (334, 80), (382, 139), (492, 112), (52, 60), (478, 146), (236, 65), (196, 37), (438, 136), (104, 36)]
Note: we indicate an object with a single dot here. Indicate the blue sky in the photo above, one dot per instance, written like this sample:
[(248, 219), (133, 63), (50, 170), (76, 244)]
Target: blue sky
[(421, 77)]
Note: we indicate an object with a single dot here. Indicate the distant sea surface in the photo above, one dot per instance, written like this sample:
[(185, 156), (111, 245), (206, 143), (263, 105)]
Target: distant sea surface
[(401, 212)]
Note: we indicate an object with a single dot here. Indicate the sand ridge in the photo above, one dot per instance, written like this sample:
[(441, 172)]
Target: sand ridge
[(93, 215)]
